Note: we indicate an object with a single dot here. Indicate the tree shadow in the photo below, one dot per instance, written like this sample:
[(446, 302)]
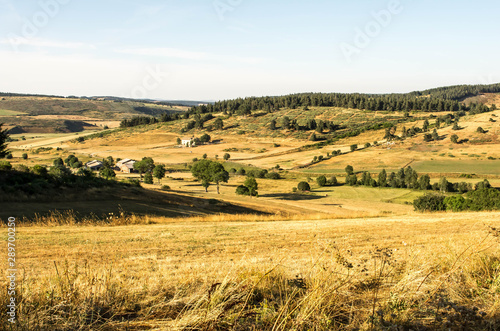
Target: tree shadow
[(291, 196)]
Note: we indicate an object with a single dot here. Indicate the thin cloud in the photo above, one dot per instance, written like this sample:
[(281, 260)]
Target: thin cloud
[(44, 43), (165, 52), (188, 55)]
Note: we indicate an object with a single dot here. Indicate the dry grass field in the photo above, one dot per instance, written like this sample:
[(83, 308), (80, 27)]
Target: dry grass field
[(335, 258), (439, 272)]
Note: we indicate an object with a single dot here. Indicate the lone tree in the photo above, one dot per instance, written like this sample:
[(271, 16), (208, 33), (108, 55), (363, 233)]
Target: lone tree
[(382, 178), (209, 172), (321, 180), (205, 138), (304, 186), (3, 142), (146, 165), (159, 172), (454, 139), (107, 173), (272, 124), (218, 124), (349, 170), (354, 147), (227, 156), (252, 185)]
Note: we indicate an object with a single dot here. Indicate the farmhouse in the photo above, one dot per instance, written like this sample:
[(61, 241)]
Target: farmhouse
[(126, 165), (94, 165), (188, 142)]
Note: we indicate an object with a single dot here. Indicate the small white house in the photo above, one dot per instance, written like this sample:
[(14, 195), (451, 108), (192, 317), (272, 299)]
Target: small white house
[(188, 142)]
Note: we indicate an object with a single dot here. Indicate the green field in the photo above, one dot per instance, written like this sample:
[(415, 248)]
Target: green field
[(460, 166), (6, 112)]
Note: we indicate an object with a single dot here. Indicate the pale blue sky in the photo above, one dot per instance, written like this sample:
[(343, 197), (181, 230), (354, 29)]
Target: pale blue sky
[(218, 49)]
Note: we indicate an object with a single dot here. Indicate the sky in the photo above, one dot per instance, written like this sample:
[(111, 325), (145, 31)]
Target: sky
[(223, 49)]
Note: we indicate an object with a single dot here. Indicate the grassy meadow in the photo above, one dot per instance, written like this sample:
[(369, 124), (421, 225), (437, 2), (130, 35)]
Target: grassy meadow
[(436, 271), (170, 256)]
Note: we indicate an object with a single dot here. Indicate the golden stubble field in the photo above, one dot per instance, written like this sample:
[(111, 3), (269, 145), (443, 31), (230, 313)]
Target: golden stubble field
[(251, 273)]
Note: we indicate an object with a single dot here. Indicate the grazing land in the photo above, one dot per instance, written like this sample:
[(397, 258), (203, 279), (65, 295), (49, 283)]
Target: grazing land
[(325, 242)]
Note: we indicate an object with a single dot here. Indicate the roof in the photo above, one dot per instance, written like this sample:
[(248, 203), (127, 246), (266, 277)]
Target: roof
[(128, 165), (125, 162), (94, 163)]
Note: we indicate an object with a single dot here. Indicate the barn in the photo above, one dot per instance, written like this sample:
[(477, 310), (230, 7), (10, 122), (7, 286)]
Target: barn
[(126, 165)]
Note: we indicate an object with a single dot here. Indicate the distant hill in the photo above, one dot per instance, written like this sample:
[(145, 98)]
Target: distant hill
[(50, 114)]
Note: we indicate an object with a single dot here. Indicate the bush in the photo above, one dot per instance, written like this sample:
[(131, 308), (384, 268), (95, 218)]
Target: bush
[(303, 186), (480, 130), (351, 180), (321, 180), (241, 172), (430, 202), (21, 168), (148, 178), (165, 188), (39, 170), (107, 173), (455, 203), (8, 156), (242, 190), (25, 156), (333, 181), (5, 166), (354, 147), (273, 175), (484, 199)]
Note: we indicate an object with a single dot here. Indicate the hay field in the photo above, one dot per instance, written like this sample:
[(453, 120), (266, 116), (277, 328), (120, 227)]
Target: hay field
[(437, 271)]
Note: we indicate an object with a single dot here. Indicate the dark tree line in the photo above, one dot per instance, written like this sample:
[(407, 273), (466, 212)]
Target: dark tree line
[(146, 120), (459, 92), (435, 100)]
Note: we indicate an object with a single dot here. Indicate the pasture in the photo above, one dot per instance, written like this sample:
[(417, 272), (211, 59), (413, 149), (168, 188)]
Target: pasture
[(240, 272)]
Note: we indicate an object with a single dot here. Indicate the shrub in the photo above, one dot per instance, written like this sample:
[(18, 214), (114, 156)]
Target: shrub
[(165, 188), (107, 173), (148, 178), (321, 180), (8, 156), (333, 181), (21, 168), (242, 190), (39, 170), (273, 175), (484, 199), (303, 186), (241, 172), (5, 166), (351, 180), (480, 130), (25, 156), (354, 147), (454, 139), (455, 203), (205, 138), (429, 202)]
